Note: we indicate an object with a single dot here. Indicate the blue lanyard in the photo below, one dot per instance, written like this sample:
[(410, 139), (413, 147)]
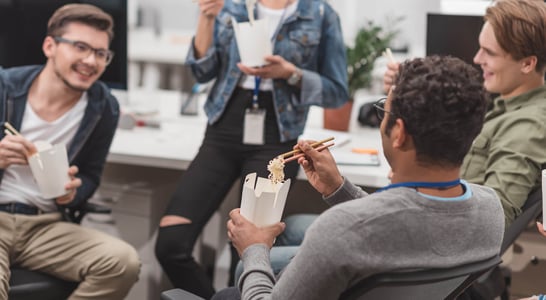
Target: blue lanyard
[(257, 79), (422, 184)]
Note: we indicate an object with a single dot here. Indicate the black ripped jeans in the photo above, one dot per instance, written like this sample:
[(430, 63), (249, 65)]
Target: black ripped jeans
[(221, 160)]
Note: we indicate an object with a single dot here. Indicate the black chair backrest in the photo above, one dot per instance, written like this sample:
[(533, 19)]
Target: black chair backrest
[(530, 211), (179, 294), (30, 285), (431, 284)]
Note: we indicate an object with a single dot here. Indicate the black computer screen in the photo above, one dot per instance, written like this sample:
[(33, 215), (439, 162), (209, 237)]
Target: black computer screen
[(455, 35), (23, 26)]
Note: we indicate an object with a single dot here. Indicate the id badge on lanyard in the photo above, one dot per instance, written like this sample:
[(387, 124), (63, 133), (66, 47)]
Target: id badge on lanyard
[(254, 127)]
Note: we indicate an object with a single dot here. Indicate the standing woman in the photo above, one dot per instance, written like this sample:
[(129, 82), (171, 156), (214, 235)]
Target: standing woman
[(308, 67)]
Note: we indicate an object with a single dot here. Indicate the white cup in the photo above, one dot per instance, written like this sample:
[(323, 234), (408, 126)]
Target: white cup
[(253, 42), (49, 167)]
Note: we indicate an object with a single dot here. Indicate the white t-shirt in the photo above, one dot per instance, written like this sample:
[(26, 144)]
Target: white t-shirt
[(274, 15), (18, 184)]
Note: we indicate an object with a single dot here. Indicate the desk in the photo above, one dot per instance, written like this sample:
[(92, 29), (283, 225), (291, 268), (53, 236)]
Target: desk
[(178, 140), (144, 165)]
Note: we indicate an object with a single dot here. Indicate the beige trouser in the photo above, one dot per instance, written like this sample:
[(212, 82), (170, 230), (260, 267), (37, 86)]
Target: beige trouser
[(106, 266)]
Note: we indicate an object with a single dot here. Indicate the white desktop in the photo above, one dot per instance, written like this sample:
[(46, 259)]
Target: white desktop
[(177, 141)]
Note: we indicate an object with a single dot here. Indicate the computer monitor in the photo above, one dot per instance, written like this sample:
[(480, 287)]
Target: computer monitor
[(23, 27), (455, 35)]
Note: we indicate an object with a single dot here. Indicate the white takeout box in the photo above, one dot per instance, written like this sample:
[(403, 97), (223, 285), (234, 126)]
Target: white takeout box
[(49, 167), (262, 201), (543, 198), (253, 41)]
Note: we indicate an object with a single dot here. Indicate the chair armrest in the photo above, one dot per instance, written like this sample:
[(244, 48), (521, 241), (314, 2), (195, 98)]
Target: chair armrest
[(94, 208), (179, 294), (75, 215)]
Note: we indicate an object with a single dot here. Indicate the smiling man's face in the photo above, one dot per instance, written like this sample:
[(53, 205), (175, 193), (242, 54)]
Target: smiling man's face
[(76, 70), (501, 73)]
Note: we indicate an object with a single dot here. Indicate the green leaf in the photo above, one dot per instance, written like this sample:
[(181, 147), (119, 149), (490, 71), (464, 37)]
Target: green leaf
[(370, 42)]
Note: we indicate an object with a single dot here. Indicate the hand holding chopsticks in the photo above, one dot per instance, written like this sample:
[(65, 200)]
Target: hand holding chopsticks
[(319, 148), (297, 153), (10, 130)]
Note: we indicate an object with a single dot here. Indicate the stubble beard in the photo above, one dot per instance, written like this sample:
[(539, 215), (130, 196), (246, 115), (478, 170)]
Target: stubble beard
[(68, 84)]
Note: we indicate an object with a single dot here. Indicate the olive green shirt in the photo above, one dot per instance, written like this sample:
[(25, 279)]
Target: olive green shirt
[(510, 152)]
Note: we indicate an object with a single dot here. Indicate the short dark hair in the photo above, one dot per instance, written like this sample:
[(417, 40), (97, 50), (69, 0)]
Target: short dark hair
[(81, 13), (442, 102)]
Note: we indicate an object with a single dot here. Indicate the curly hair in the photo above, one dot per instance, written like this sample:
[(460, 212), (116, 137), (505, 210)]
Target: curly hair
[(442, 103)]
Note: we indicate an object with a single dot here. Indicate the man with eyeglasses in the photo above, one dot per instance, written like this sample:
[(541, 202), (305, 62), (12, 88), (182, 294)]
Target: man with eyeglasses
[(62, 102), (103, 56), (427, 218), (509, 153)]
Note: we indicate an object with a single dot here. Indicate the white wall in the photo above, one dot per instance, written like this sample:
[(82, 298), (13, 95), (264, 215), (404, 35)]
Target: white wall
[(465, 7), (171, 14), (412, 28), (182, 14)]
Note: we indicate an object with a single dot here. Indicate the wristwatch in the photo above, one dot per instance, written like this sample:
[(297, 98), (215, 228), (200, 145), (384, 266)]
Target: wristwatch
[(295, 78)]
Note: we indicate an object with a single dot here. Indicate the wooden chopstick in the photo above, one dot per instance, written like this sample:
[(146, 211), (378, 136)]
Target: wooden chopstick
[(297, 151), (319, 148), (10, 128), (388, 54)]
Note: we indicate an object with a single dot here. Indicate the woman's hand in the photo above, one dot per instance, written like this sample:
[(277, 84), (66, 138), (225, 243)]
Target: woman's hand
[(210, 8), (276, 67)]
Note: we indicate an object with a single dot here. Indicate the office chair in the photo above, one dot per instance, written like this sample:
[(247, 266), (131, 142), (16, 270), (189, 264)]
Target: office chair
[(30, 285), (530, 211), (445, 283), (179, 294), (497, 282)]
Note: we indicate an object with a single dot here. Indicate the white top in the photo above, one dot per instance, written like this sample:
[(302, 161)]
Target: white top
[(274, 15), (18, 184)]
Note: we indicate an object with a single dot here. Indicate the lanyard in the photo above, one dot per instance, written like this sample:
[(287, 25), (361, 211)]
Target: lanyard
[(257, 79), (422, 184)]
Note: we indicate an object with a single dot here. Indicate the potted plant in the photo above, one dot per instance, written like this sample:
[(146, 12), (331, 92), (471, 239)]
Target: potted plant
[(370, 42)]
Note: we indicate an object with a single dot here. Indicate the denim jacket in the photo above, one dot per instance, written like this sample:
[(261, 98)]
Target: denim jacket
[(91, 143), (311, 39)]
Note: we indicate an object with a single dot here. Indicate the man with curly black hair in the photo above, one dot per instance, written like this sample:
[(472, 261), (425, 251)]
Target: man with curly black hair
[(427, 218)]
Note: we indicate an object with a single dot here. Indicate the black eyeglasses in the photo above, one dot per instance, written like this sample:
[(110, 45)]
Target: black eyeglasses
[(102, 55), (379, 106)]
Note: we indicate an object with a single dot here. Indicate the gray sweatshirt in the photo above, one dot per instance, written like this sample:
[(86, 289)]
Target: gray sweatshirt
[(394, 229)]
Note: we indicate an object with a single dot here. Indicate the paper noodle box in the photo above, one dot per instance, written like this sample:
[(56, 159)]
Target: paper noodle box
[(262, 201), (253, 41), (543, 199), (49, 166)]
